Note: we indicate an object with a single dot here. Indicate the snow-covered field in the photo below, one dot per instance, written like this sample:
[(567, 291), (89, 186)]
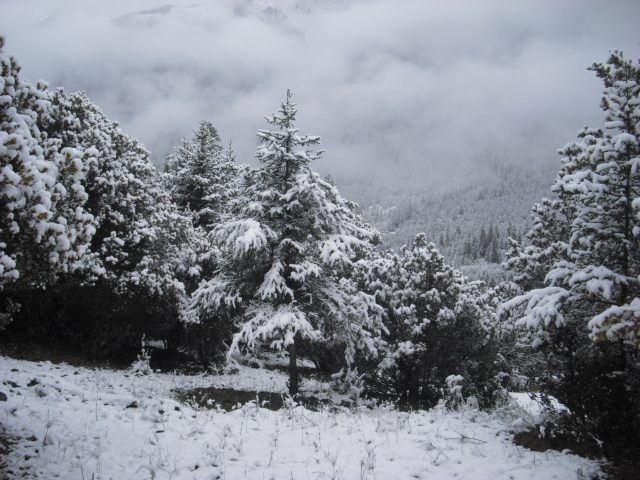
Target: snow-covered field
[(77, 423)]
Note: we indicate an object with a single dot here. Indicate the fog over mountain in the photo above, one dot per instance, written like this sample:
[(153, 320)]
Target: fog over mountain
[(407, 95)]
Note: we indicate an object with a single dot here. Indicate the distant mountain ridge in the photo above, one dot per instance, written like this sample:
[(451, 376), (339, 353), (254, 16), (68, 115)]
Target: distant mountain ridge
[(456, 217)]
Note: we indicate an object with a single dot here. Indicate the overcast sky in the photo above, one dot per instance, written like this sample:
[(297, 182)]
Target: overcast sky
[(404, 89)]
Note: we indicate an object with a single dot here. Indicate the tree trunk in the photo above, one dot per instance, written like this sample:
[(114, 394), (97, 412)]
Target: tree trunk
[(293, 370)]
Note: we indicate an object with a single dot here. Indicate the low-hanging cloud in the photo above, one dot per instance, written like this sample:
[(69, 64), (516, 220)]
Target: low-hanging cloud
[(410, 90)]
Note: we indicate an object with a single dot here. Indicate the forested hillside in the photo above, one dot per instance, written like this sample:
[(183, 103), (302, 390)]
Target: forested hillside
[(469, 220)]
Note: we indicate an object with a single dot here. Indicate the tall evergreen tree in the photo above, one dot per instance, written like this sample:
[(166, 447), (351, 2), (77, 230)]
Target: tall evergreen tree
[(286, 250), (600, 186), (201, 177), (583, 268)]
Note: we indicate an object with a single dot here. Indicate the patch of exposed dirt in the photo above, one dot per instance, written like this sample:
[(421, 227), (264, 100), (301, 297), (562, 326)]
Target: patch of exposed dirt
[(228, 398)]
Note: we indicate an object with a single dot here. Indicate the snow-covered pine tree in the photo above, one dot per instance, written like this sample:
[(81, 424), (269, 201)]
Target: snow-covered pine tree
[(141, 243), (44, 227), (125, 197), (201, 177), (584, 265), (493, 253), (600, 186), (611, 234), (287, 247), (547, 242)]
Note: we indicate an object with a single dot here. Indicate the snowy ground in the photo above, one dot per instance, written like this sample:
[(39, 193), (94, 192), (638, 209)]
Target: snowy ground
[(77, 423)]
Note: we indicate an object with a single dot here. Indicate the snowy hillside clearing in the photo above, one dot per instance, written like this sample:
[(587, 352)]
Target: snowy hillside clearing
[(76, 423)]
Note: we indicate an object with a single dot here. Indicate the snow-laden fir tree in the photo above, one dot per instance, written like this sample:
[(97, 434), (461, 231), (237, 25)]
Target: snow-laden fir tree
[(201, 176), (582, 269), (547, 243), (596, 282), (286, 249)]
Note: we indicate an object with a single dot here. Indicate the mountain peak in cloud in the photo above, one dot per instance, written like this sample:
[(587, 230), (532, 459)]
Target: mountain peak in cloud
[(144, 18)]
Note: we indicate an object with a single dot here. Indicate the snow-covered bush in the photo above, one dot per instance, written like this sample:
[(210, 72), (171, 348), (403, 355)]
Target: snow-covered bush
[(142, 365), (435, 326), (454, 390), (44, 226), (349, 383), (91, 240), (143, 246)]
